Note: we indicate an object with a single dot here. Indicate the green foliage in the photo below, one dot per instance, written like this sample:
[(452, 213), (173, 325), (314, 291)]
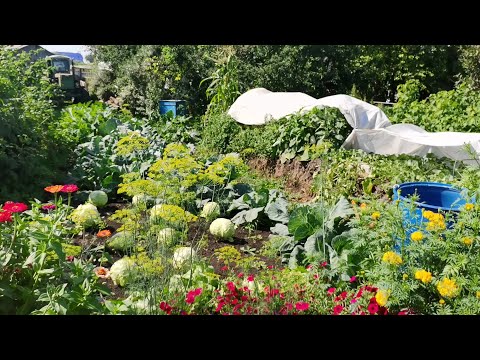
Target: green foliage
[(219, 132), (454, 110), (299, 134), (374, 174), (299, 131), (142, 75), (127, 148), (223, 88), (28, 149)]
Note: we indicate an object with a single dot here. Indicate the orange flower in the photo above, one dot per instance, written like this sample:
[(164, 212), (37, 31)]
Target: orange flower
[(104, 233), (54, 188), (102, 272)]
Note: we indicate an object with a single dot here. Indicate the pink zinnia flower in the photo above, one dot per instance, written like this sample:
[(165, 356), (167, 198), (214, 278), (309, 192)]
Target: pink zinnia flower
[(251, 278), (69, 188), (353, 279), (331, 291), (373, 308), (324, 264), (70, 258), (12, 207), (240, 275), (337, 309), (49, 206), (302, 306)]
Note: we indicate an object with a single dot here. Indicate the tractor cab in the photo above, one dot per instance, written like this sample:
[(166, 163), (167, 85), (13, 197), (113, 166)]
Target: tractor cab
[(62, 71)]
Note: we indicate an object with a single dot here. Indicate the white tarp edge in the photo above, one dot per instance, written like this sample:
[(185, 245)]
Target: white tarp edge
[(372, 131)]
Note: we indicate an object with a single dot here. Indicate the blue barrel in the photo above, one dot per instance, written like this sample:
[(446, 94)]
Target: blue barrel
[(431, 196), (177, 107)]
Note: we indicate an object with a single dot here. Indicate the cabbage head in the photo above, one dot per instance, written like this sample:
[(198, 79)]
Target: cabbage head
[(120, 271), (86, 216), (98, 198), (182, 255), (210, 211), (222, 228)]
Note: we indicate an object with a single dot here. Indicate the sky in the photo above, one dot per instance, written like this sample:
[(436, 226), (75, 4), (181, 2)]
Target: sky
[(68, 48)]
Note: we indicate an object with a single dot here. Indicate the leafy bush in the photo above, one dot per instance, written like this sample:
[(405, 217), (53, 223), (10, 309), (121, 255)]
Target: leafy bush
[(285, 138), (454, 110), (28, 149)]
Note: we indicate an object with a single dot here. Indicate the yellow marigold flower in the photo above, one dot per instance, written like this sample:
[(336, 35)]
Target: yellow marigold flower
[(428, 214), (376, 215), (467, 241), (405, 276), (442, 301), (424, 276), (469, 206), (434, 225), (392, 258), (447, 288), (354, 202), (478, 294), (382, 297), (363, 206), (416, 236)]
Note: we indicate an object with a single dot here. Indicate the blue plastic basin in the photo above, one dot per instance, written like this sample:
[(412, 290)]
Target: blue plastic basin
[(432, 196), (177, 107)]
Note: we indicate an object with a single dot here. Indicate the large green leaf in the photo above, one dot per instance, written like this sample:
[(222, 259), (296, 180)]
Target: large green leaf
[(246, 216), (341, 209), (279, 229), (276, 209)]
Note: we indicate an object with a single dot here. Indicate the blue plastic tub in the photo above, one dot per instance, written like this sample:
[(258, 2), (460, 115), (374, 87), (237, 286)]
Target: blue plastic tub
[(177, 107), (433, 196)]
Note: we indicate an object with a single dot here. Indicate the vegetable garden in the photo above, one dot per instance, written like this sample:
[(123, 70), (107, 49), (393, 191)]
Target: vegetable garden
[(116, 213)]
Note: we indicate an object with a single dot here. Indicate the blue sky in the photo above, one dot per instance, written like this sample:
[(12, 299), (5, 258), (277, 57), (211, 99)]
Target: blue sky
[(68, 48)]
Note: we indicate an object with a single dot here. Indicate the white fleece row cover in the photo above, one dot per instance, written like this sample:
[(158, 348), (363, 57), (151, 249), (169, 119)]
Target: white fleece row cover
[(372, 131)]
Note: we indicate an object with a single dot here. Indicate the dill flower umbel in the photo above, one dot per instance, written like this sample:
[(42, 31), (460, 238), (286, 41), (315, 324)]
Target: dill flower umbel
[(416, 236), (382, 297), (447, 288), (424, 276), (392, 258)]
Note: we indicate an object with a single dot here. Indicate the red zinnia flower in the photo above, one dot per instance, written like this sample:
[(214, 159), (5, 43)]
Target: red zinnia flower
[(270, 267), (373, 308), (104, 233), (251, 278), (324, 264), (301, 306), (331, 290), (224, 268), (192, 295), (337, 309), (5, 216), (383, 310), (69, 188), (165, 307), (54, 188), (230, 286), (240, 275), (70, 258), (14, 207), (48, 206), (343, 295), (309, 267)]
